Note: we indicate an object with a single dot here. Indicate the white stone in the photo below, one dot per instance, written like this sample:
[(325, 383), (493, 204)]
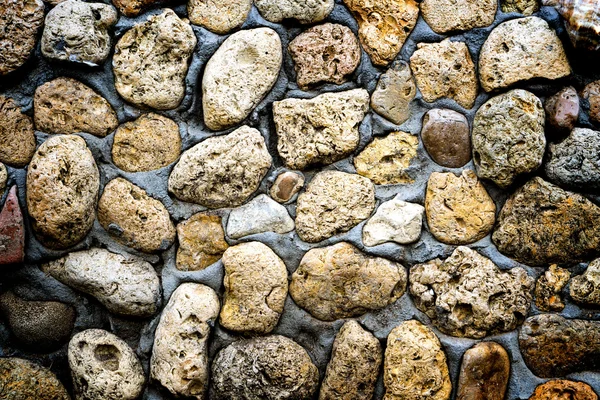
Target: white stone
[(394, 221), (261, 214)]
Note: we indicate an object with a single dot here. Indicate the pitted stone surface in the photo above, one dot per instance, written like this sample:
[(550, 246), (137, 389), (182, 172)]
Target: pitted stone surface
[(585, 288), (395, 90), (562, 110), (548, 288), (591, 93), (448, 16), (525, 7), (562, 389), (219, 16), (395, 221), (131, 8), (305, 11), (201, 242), (3, 179), (17, 139), (447, 137), (23, 380), (20, 21), (261, 214), (484, 373)]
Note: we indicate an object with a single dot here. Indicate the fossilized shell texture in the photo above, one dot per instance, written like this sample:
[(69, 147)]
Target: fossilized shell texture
[(582, 21)]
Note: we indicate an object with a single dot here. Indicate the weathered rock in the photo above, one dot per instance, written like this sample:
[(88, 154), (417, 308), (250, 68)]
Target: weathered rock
[(65, 105), (305, 11), (180, 353), (222, 171), (148, 143), (484, 373), (17, 139), (12, 230), (255, 288), (265, 368), (447, 137), (104, 367), (334, 202), (508, 137), (62, 191), (135, 219), (131, 8), (321, 130), (201, 242), (467, 295), (548, 289), (415, 364), (20, 21), (562, 110), (580, 21), (286, 186), (519, 50), (3, 179), (591, 93), (239, 75), (355, 361), (395, 221), (525, 7), (151, 61), (217, 16), (395, 90), (24, 380), (445, 69), (448, 16), (562, 389), (585, 288), (340, 281), (261, 214)]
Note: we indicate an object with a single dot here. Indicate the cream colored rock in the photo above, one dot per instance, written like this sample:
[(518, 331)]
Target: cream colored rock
[(450, 15), (219, 16), (395, 221), (548, 289), (585, 288), (17, 138), (305, 11), (261, 214), (525, 7), (395, 90), (201, 242), (3, 179)]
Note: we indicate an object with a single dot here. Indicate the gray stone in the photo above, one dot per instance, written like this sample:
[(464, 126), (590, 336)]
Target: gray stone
[(261, 214), (305, 11), (219, 16), (395, 90), (394, 221), (449, 16), (585, 288)]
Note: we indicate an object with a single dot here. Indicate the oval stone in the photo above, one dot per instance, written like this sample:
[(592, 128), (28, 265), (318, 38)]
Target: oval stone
[(484, 373), (564, 389), (17, 138), (23, 380)]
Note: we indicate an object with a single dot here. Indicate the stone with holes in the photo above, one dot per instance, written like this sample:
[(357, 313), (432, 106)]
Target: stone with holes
[(395, 90), (305, 11), (20, 21), (564, 389), (23, 380), (219, 16), (562, 111), (17, 138), (12, 230), (449, 16), (548, 289)]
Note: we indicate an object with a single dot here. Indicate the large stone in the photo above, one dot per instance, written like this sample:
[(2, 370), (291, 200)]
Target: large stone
[(305, 11), (131, 8), (201, 242), (445, 16), (261, 214), (340, 281), (591, 93), (585, 288), (20, 21), (24, 380), (484, 373), (239, 75), (395, 90), (580, 21), (151, 61), (222, 171), (12, 230), (286, 186), (395, 221), (525, 7), (562, 389), (219, 16), (17, 138), (447, 137), (321, 130), (562, 110), (467, 295), (334, 202), (548, 289)]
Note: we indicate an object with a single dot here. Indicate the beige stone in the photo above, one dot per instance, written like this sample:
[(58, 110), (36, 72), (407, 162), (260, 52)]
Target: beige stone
[(201, 242), (286, 186), (17, 139), (450, 15), (20, 21), (219, 16), (395, 90), (525, 7), (305, 11), (3, 179), (131, 8), (548, 289), (585, 288), (395, 221)]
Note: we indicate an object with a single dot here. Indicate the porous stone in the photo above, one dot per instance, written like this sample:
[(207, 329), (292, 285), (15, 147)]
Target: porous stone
[(24, 380), (415, 365), (445, 69), (395, 90), (334, 202), (562, 110), (449, 16), (131, 8), (286, 186), (562, 389), (17, 139), (321, 130), (508, 137), (484, 373), (340, 281), (62, 191), (180, 353), (255, 288), (591, 93), (219, 16), (447, 137), (12, 230), (151, 61), (222, 171), (467, 295), (201, 242), (395, 221), (305, 11), (135, 219), (585, 288), (261, 214), (20, 21), (264, 368), (525, 7), (355, 361), (239, 75), (519, 50), (548, 289)]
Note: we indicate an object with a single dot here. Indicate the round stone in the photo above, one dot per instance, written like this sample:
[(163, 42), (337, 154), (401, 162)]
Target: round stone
[(24, 380), (17, 138), (446, 137), (286, 186), (562, 110), (201, 242), (219, 16), (20, 21)]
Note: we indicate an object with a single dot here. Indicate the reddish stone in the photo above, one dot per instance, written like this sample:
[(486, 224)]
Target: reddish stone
[(564, 390), (562, 110), (12, 230)]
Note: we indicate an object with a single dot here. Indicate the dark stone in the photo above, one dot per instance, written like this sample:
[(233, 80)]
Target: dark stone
[(591, 93), (562, 110), (447, 138), (12, 230), (484, 373), (23, 380)]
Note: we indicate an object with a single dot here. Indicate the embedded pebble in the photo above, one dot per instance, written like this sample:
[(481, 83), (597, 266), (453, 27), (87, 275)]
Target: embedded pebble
[(305, 11), (447, 137), (585, 288), (261, 214), (201, 242), (525, 7), (395, 90), (286, 186), (219, 16), (562, 389), (131, 8), (20, 21), (484, 372), (25, 380), (548, 289), (12, 230), (17, 139), (394, 221), (591, 93), (562, 110), (449, 16)]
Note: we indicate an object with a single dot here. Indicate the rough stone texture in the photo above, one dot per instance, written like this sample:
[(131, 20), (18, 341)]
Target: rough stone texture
[(131, 8), (467, 295), (3, 179), (151, 61), (65, 105), (562, 389), (62, 191), (519, 50), (265, 368), (255, 288), (261, 214), (591, 93), (239, 75), (321, 130), (448, 16), (548, 289), (305, 11), (219, 16), (286, 186), (585, 288), (12, 230), (581, 22), (125, 285), (222, 171), (333, 203), (150, 142), (542, 224), (17, 139), (340, 281), (20, 21), (133, 218), (386, 160), (447, 137), (525, 7), (180, 353), (445, 69), (459, 209), (324, 53), (395, 90), (104, 367), (484, 373), (562, 110), (415, 364), (395, 221), (354, 366), (24, 380), (508, 137), (201, 242)]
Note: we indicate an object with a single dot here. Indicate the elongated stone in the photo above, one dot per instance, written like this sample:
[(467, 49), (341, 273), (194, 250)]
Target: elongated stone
[(17, 138), (219, 16), (12, 230), (447, 16), (484, 373), (305, 11), (261, 214)]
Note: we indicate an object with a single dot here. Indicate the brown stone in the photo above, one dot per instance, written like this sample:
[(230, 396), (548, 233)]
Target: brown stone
[(12, 230), (201, 242), (446, 137), (131, 8), (450, 15), (591, 93), (395, 90), (525, 7), (20, 21), (562, 110), (548, 289), (17, 139), (585, 288), (24, 380), (286, 186), (484, 373), (562, 389)]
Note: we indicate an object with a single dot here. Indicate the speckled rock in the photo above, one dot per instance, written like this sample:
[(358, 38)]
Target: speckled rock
[(562, 389), (151, 61), (24, 380), (3, 179), (355, 361), (395, 221), (508, 137), (12, 229), (415, 364), (447, 137), (525, 7), (585, 288), (180, 353), (222, 171), (261, 214), (334, 202), (340, 281), (62, 191), (17, 139), (201, 242), (562, 110), (131, 8), (321, 130), (519, 50), (305, 11), (449, 16), (239, 75), (591, 93), (548, 289), (218, 16), (265, 368), (20, 21), (395, 90), (286, 186), (133, 218), (484, 373)]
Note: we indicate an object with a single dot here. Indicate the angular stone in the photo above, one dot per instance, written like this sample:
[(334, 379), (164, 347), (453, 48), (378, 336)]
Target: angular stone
[(201, 242), (305, 11), (321, 130), (519, 50), (286, 186), (12, 230), (467, 295), (131, 8), (151, 61), (591, 93), (563, 389), (255, 288), (334, 202), (508, 137), (484, 372), (585, 288), (180, 353), (525, 7), (395, 221), (261, 214), (548, 289), (562, 110), (395, 90), (20, 21), (135, 219), (222, 171), (23, 380), (219, 17), (239, 75), (62, 191), (17, 139), (447, 137), (449, 16)]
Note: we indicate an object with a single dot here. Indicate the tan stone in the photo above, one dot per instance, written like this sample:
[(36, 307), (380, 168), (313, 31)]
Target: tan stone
[(219, 16), (20, 21), (484, 373), (286, 186), (562, 389), (525, 7), (26, 380), (585, 288), (591, 93), (3, 179), (17, 140), (450, 15), (395, 90), (548, 289), (201, 242), (131, 8)]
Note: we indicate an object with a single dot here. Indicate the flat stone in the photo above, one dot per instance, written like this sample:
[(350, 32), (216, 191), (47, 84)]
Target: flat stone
[(340, 281), (17, 138), (201, 242), (484, 372), (450, 16), (321, 130), (548, 289), (591, 93), (131, 8), (394, 221), (395, 90), (467, 295), (585, 288), (261, 214), (525, 7), (12, 230), (20, 23), (305, 11), (24, 380), (239, 75), (286, 186), (563, 389), (447, 137), (219, 17), (562, 110)]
